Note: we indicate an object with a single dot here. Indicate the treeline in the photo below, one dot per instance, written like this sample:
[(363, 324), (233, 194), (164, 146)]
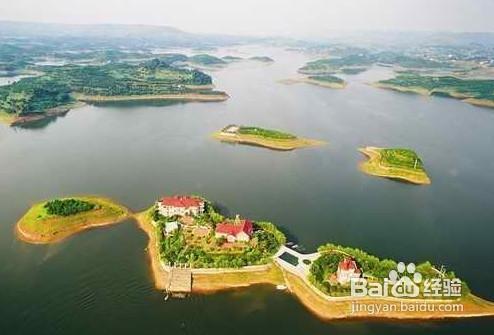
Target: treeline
[(66, 207), (374, 269), (267, 133)]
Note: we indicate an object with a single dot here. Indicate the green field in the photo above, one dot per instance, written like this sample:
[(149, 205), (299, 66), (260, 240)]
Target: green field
[(401, 158), (266, 133)]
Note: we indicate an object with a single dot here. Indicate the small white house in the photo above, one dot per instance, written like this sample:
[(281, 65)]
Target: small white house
[(170, 227)]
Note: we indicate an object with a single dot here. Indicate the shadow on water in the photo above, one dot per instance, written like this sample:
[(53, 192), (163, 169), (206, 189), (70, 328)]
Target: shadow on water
[(37, 124), (139, 103)]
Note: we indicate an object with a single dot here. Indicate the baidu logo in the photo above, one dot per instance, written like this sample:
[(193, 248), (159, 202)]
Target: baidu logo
[(405, 281)]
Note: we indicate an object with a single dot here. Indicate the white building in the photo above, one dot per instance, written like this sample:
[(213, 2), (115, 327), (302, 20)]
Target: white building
[(181, 206)]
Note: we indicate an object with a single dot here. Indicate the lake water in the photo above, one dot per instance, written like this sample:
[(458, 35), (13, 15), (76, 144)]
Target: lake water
[(98, 282)]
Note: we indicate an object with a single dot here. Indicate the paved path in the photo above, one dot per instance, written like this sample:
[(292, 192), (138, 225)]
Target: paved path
[(301, 269)]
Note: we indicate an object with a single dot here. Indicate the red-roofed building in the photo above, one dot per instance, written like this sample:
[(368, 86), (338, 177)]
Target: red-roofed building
[(347, 269), (181, 205), (238, 230)]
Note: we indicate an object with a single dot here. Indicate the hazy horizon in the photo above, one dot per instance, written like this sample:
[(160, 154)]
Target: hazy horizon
[(265, 18)]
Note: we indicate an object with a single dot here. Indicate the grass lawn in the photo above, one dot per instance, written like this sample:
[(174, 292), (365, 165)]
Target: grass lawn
[(401, 164)]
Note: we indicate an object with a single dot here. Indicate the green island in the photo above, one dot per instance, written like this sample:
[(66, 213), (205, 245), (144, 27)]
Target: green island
[(231, 59), (474, 91), (263, 59), (326, 81), (399, 164), (206, 60), (356, 63), (63, 87), (272, 139), (193, 248), (323, 80), (55, 220)]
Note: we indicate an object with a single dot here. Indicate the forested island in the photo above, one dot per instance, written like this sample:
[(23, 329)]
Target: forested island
[(53, 220), (474, 91), (399, 164), (359, 62), (60, 87), (256, 136)]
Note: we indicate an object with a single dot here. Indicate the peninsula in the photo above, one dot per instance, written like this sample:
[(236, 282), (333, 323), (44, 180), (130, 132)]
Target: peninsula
[(267, 138), (194, 248), (399, 164), (54, 220), (478, 92), (59, 88)]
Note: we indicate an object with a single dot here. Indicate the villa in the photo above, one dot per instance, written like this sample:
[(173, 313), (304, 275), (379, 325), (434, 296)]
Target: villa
[(236, 231), (347, 270), (180, 205)]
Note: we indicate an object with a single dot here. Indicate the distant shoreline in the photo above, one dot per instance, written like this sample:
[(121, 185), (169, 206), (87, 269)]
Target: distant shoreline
[(82, 100), (157, 97), (425, 92), (306, 80)]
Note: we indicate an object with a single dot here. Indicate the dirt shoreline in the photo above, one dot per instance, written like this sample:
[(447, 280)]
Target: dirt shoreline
[(341, 309), (279, 145), (313, 82), (184, 97), (425, 92)]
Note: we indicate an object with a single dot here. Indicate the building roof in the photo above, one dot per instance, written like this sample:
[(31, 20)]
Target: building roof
[(236, 227), (182, 201), (348, 264)]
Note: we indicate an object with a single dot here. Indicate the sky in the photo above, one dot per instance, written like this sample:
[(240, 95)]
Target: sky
[(264, 17)]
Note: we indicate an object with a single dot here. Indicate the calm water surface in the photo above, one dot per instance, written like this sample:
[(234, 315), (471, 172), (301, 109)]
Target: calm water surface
[(99, 282)]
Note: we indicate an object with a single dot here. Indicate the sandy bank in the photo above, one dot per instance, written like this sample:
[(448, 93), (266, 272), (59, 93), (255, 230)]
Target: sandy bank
[(341, 308), (220, 96)]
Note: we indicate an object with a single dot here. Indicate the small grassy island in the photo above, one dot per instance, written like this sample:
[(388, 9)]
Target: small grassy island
[(323, 80), (272, 139), (262, 59), (54, 220), (474, 91), (60, 88), (326, 81), (400, 164)]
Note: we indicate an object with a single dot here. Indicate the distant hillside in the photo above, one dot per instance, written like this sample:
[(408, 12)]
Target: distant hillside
[(116, 34)]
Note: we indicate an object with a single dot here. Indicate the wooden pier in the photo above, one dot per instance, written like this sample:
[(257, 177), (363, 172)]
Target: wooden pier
[(180, 282)]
